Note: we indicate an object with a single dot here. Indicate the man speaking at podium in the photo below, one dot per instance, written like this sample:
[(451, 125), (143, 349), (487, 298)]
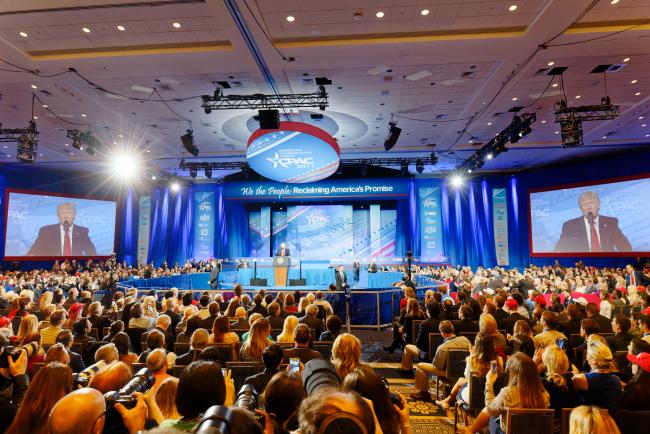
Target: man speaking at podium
[(63, 238), (282, 251), (592, 232)]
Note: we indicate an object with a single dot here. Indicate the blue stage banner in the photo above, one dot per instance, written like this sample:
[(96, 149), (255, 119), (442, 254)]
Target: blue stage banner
[(204, 224), (317, 231), (500, 224), (144, 228), (318, 191), (431, 247)]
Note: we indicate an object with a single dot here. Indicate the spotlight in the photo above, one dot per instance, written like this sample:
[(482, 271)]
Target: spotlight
[(456, 181), (208, 172), (175, 186), (434, 158), (393, 135), (193, 172), (419, 166), (188, 143), (124, 166), (269, 119), (76, 143), (28, 145), (489, 156)]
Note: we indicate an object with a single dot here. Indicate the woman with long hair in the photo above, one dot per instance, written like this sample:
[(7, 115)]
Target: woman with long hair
[(524, 390), (51, 383), (221, 333), (369, 385), (232, 308), (282, 398), (487, 325), (346, 354), (600, 386), (557, 380), (403, 329), (289, 304), (44, 300), (289, 327), (302, 306), (166, 398), (482, 353), (257, 341), (28, 326)]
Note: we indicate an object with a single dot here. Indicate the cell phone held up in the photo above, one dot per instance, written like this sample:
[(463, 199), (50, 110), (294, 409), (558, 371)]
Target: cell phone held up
[(494, 367)]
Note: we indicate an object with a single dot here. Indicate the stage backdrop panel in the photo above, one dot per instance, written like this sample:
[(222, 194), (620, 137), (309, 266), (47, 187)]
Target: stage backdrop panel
[(317, 231), (559, 226), (29, 214)]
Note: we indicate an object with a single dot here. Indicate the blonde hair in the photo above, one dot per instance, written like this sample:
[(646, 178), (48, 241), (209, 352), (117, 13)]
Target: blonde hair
[(240, 312), (591, 420), (487, 325), (600, 354), (45, 300), (346, 354), (302, 306), (199, 339), (254, 317), (557, 364), (28, 326), (258, 339), (166, 398), (288, 329)]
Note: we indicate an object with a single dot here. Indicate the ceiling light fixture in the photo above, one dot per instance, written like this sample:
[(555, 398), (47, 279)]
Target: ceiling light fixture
[(637, 94), (424, 12), (554, 84), (489, 123), (85, 29), (379, 14), (514, 98), (291, 18), (121, 28), (551, 63), (34, 86), (23, 34), (634, 81), (83, 115), (578, 96), (613, 2), (512, 8), (627, 59), (176, 25)]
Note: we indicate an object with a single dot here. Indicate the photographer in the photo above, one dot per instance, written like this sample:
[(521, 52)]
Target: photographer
[(13, 375)]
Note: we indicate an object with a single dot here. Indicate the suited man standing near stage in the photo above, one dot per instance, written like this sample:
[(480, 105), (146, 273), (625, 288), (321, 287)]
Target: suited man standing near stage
[(63, 238), (372, 267), (282, 251), (592, 232), (634, 277), (341, 279), (214, 274)]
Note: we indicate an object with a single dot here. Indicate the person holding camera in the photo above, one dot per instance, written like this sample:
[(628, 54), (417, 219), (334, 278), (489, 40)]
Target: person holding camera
[(12, 374)]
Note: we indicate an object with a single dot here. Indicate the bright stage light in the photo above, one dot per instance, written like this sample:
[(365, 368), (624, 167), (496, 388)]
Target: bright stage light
[(175, 187), (456, 181), (125, 166)]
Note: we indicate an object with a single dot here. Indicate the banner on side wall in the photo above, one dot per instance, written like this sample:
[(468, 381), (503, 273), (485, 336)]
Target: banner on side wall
[(144, 226), (500, 225), (204, 224), (431, 246)]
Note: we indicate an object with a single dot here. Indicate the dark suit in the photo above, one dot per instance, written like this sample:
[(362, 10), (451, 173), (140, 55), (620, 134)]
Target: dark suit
[(372, 268), (341, 281), (48, 242), (76, 362), (176, 318), (276, 322), (429, 325), (241, 324), (509, 323), (465, 325), (214, 276), (258, 308), (639, 278), (574, 236), (279, 252), (304, 354), (619, 341), (313, 323), (604, 323), (207, 323), (259, 381)]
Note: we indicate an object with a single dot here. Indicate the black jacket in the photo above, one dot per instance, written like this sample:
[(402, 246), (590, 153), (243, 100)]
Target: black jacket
[(304, 354), (314, 323), (259, 381), (465, 325), (76, 362), (429, 325), (276, 322), (9, 404)]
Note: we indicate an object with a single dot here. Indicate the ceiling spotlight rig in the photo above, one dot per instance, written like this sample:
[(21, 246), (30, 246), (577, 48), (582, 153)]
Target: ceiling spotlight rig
[(84, 140), (571, 118), (517, 130), (27, 139), (219, 101)]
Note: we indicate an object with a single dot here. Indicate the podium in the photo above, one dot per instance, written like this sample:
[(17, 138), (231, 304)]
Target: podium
[(281, 269)]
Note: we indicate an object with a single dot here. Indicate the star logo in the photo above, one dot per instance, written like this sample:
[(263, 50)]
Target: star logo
[(276, 160)]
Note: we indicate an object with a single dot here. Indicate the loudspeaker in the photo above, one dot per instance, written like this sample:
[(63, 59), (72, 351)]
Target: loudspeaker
[(259, 282), (297, 282), (393, 135), (188, 143), (269, 119)]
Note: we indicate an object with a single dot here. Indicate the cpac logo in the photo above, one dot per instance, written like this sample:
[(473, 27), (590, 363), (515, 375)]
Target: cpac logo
[(287, 162), (317, 218)]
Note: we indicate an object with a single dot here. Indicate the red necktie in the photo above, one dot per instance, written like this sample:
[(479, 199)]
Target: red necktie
[(67, 248), (632, 281), (595, 242), (282, 252)]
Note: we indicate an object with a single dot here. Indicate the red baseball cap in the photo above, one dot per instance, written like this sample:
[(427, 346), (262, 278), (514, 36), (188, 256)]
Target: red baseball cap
[(646, 311), (642, 360), (512, 303), (540, 300), (4, 322)]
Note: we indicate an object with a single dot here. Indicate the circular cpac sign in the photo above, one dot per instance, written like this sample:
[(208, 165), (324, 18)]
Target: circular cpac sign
[(294, 153)]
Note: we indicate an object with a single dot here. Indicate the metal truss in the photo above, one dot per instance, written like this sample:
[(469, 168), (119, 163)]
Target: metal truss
[(601, 112), (219, 101), (356, 162)]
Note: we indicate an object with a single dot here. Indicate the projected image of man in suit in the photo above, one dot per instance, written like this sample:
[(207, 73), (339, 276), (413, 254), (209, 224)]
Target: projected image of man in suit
[(592, 232), (63, 238)]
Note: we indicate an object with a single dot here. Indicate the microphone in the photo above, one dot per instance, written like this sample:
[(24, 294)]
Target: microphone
[(590, 217), (66, 225)]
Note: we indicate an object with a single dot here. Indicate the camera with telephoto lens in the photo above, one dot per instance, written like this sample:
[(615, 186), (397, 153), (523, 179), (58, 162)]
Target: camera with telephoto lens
[(83, 378), (247, 398), (13, 352), (217, 419), (319, 373), (141, 382)]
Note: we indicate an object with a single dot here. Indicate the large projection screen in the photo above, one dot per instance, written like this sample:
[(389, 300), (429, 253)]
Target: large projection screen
[(37, 225), (604, 218)]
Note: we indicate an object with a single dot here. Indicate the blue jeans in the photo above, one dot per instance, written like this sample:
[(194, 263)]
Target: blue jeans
[(495, 425)]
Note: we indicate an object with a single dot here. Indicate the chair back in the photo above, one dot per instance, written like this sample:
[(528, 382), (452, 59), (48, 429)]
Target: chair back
[(564, 420), (137, 366), (477, 391), (325, 348), (181, 348), (530, 421), (455, 364), (106, 331), (576, 340), (471, 336), (435, 340), (242, 370), (633, 422), (275, 333), (226, 352), (135, 335), (284, 345), (177, 370)]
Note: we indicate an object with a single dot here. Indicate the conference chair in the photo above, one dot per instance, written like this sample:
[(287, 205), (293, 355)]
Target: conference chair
[(416, 328), (181, 348), (471, 336), (135, 335), (476, 385), (242, 370), (633, 422), (325, 348), (435, 340), (454, 370), (564, 420), (177, 370), (226, 352), (284, 345), (530, 421)]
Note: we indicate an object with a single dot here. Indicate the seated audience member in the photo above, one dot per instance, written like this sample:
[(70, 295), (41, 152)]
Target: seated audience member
[(315, 411), (138, 319), (203, 312), (258, 339), (482, 353), (288, 330), (88, 415), (311, 319), (28, 326), (157, 364), (572, 326), (621, 338), (13, 383), (599, 387), (636, 395), (283, 396), (593, 313), (346, 354), (123, 344), (465, 322), (221, 333), (301, 348), (524, 390), (81, 328), (51, 383), (116, 327), (57, 353), (591, 420), (403, 328), (605, 305), (439, 363), (333, 324), (369, 385), (274, 316), (166, 398), (111, 377), (97, 321), (254, 317), (644, 325), (200, 386), (320, 301), (515, 315), (242, 321), (290, 307), (107, 353), (155, 339), (208, 322), (557, 380), (272, 358), (197, 344), (258, 306), (550, 335), (49, 334), (163, 323)]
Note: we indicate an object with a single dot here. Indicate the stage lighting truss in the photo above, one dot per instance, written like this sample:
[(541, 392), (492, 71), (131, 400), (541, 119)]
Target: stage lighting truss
[(84, 140), (571, 118), (219, 101), (27, 140), (517, 130)]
